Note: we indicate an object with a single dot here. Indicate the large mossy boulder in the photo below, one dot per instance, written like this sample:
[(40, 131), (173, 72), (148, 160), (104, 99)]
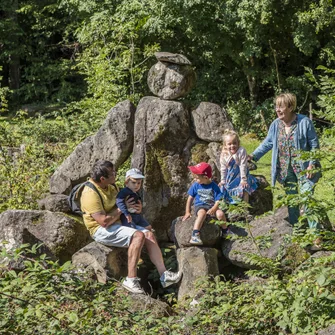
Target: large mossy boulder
[(172, 77), (196, 263), (210, 122), (105, 262), (161, 151), (61, 234), (210, 232), (113, 142), (265, 236)]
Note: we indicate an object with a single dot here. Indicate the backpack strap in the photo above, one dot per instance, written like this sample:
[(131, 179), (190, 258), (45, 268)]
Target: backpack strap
[(92, 186)]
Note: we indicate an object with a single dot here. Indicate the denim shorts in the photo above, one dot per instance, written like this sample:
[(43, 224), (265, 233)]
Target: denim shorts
[(116, 235)]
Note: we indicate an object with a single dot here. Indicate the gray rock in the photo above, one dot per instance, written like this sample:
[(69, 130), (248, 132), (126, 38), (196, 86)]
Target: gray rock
[(170, 81), (308, 263), (270, 228), (113, 141), (140, 302), (210, 122), (210, 232), (61, 234), (261, 200), (172, 58), (55, 203), (106, 262), (195, 263), (161, 133), (327, 331), (214, 151)]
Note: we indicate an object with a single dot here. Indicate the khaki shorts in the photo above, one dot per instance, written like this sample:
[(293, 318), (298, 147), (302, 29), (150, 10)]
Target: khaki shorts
[(116, 235)]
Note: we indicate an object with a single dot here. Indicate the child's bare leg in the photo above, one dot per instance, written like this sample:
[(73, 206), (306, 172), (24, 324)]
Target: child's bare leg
[(245, 197), (201, 216), (220, 215)]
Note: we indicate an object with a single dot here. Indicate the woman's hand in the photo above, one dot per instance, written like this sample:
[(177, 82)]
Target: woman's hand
[(244, 183)]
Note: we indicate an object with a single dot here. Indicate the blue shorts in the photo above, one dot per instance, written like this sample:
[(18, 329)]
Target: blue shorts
[(138, 220), (116, 235)]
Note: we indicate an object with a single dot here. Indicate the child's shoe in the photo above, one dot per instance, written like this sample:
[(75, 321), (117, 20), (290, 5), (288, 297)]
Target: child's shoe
[(196, 240), (226, 232)]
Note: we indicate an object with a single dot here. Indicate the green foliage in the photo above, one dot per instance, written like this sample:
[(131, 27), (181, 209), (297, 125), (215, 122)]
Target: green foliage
[(247, 119), (4, 92), (115, 54), (49, 298), (37, 54), (298, 304), (30, 151)]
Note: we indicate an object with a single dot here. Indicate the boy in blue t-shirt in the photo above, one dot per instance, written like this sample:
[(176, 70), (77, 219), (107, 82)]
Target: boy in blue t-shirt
[(207, 196)]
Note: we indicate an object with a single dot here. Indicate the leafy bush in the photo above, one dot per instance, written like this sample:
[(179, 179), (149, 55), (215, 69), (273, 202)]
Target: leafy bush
[(250, 120), (53, 299), (30, 151)]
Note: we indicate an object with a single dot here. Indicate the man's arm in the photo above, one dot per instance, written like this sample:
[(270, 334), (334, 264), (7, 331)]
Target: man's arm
[(107, 219)]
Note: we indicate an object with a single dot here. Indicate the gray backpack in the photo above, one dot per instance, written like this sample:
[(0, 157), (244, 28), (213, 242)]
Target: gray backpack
[(75, 195)]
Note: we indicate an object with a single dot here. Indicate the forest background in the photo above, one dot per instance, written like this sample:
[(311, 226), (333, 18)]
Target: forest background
[(65, 63)]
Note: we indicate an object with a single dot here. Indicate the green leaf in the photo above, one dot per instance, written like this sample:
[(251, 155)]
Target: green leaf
[(73, 317), (321, 279)]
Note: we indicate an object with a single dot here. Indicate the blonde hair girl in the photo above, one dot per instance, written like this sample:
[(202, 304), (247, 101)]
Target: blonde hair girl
[(235, 177)]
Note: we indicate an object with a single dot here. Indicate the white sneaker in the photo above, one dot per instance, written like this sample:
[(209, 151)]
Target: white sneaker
[(196, 240), (133, 285), (168, 278)]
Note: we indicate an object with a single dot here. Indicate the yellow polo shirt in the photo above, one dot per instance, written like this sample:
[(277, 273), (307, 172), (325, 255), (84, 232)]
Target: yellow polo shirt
[(90, 203)]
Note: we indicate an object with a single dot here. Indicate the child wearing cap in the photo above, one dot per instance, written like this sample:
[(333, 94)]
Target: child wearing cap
[(206, 196), (133, 184)]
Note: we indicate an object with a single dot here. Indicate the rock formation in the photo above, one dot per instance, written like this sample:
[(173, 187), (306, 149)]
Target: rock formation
[(113, 141)]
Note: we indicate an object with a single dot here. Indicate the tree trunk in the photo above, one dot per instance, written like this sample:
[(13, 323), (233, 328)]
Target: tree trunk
[(14, 72), (253, 91), (14, 59)]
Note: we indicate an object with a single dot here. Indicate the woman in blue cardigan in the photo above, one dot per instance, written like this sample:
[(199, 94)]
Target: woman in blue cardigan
[(288, 134)]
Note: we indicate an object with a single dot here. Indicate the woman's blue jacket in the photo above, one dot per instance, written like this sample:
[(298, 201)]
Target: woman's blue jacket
[(305, 139)]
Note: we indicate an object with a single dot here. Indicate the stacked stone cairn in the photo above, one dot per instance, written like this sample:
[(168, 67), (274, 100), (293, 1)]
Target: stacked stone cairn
[(164, 135)]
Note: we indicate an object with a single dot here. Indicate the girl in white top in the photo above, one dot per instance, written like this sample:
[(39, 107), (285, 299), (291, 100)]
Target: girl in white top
[(235, 177)]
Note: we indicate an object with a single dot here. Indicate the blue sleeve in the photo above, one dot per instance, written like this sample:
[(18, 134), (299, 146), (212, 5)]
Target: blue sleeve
[(267, 144), (312, 138), (217, 192), (192, 191), (120, 201)]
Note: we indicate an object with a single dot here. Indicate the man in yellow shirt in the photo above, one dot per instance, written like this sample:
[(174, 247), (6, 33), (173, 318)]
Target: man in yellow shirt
[(103, 222)]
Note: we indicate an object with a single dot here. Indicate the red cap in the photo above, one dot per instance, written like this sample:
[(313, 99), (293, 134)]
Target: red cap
[(202, 168)]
